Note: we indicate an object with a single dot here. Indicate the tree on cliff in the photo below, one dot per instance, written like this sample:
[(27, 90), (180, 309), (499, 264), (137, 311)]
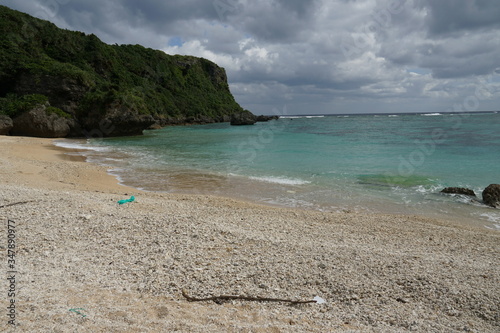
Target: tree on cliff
[(89, 83)]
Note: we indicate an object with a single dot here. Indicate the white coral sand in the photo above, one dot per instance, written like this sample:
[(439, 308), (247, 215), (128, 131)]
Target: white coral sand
[(86, 264)]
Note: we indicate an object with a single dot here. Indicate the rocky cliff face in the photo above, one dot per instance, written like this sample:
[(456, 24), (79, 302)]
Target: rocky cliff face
[(87, 83), (64, 93), (38, 122)]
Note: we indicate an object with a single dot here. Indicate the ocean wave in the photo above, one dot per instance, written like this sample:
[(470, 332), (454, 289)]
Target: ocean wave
[(281, 180), (79, 145), (494, 218), (432, 114), (113, 159), (428, 189), (70, 145), (300, 117)]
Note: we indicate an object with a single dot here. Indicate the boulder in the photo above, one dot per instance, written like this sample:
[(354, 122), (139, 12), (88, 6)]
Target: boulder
[(6, 125), (491, 195), (40, 123), (119, 120), (243, 118), (458, 190), (128, 124), (263, 118)]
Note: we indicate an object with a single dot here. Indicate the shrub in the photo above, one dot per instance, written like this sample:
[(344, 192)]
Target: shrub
[(14, 105), (57, 111)]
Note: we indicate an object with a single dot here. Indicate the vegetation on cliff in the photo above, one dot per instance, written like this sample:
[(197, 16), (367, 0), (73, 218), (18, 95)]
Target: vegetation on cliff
[(88, 81)]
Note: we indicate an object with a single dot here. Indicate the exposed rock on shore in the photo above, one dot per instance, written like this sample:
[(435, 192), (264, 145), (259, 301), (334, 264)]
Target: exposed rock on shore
[(39, 122), (491, 195), (459, 190), (243, 118), (6, 125), (263, 118)]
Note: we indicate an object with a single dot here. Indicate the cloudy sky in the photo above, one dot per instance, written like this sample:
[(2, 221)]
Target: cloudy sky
[(315, 56)]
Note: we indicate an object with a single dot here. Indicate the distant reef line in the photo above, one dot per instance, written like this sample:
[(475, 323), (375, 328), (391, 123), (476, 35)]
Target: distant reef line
[(61, 83)]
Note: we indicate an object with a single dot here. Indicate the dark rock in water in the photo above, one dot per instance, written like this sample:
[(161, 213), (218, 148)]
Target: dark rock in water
[(263, 118), (6, 125), (40, 123), (459, 190), (491, 195), (243, 118)]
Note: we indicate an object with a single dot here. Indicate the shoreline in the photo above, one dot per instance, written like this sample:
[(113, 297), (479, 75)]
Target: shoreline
[(229, 186), (126, 266)]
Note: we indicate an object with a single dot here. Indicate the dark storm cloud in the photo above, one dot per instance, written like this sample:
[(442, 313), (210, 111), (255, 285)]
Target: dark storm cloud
[(458, 16), (452, 39), (331, 54), (275, 20)]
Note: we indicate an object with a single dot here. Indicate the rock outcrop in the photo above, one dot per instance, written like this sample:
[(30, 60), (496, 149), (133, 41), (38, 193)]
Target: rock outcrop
[(263, 118), (6, 125), (64, 93), (41, 123), (458, 190), (243, 118), (491, 195), (118, 121), (101, 89)]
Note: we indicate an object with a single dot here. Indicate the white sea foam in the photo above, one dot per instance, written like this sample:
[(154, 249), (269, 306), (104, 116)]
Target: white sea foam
[(423, 189), (493, 218), (298, 117), (70, 144), (432, 114), (281, 180), (79, 145)]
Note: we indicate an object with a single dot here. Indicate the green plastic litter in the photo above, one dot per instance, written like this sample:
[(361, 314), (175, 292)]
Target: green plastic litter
[(121, 202), (77, 311)]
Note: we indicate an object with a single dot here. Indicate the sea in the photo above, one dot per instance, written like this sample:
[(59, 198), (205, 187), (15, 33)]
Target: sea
[(370, 163)]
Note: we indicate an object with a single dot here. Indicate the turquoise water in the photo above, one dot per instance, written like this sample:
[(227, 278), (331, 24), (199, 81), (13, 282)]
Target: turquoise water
[(381, 163)]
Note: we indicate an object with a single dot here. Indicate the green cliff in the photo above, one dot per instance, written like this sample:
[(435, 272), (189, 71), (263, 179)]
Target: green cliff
[(57, 83)]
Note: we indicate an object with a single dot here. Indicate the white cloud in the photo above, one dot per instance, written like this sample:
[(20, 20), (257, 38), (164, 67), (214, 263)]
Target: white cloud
[(315, 55)]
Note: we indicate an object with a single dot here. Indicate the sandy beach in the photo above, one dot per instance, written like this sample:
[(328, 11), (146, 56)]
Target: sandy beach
[(83, 263)]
